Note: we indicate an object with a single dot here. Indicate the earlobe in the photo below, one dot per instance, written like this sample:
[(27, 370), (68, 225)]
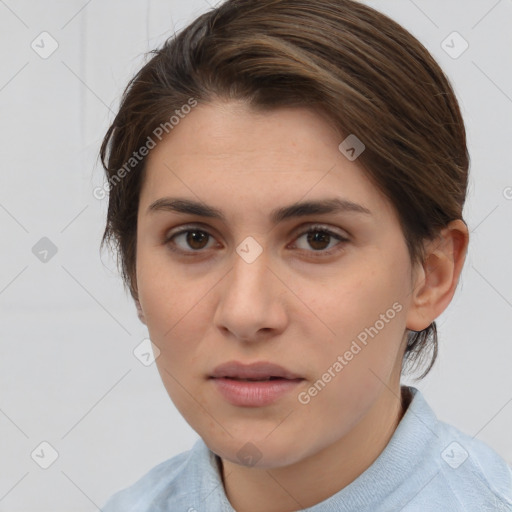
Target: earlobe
[(436, 280)]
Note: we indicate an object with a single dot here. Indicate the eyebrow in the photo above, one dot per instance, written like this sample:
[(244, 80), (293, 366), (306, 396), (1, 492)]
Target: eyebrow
[(299, 209)]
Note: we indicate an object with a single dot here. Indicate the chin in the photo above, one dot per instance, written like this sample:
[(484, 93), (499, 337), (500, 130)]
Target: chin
[(261, 454)]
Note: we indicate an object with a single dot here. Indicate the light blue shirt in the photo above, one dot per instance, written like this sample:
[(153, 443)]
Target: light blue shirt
[(427, 465)]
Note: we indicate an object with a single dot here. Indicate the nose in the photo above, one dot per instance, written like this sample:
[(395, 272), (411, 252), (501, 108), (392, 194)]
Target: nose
[(251, 300)]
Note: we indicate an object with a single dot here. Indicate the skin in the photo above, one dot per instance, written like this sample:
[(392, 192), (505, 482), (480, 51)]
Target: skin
[(288, 306)]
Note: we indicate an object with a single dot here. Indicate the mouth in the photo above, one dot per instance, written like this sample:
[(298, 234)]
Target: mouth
[(254, 385), (256, 379), (255, 372)]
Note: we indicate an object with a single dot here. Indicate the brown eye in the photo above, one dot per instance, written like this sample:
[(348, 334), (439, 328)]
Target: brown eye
[(190, 240), (319, 241), (318, 238), (196, 239)]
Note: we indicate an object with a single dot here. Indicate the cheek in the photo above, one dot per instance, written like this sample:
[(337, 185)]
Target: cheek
[(366, 309), (173, 309), (162, 289), (165, 296), (355, 300), (349, 373)]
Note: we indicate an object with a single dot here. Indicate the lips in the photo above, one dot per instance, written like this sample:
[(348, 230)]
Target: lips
[(258, 384), (259, 371)]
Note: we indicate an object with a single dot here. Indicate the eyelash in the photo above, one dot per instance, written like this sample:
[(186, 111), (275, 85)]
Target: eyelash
[(312, 229)]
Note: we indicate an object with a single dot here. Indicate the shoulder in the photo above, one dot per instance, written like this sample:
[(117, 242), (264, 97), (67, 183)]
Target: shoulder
[(473, 474), (171, 474), (479, 478), (443, 468)]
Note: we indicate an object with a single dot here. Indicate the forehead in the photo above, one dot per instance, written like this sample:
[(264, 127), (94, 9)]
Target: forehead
[(234, 129), (229, 151)]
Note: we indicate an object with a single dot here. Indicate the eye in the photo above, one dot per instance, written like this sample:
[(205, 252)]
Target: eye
[(319, 238), (195, 239), (191, 240)]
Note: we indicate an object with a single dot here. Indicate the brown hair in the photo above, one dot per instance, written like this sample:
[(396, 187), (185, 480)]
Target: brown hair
[(355, 66)]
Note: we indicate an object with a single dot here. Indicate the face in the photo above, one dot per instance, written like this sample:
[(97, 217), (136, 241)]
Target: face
[(251, 286)]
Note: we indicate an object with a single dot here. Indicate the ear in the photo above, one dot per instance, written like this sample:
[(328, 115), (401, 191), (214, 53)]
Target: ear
[(436, 279), (140, 313)]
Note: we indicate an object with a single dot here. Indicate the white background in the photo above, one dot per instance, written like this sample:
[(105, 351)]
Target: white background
[(68, 375)]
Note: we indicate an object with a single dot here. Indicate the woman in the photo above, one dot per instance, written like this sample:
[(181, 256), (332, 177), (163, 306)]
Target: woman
[(287, 181)]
